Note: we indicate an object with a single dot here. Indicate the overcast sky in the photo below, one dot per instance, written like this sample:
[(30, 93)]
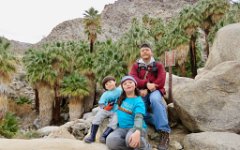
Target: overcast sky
[(31, 20)]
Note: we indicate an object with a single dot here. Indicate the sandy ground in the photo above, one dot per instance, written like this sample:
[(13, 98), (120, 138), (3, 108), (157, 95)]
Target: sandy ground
[(48, 144)]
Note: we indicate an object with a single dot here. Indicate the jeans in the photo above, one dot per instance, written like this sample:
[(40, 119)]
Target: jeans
[(158, 116)]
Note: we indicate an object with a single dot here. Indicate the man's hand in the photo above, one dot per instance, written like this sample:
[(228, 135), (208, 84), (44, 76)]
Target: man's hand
[(134, 140), (143, 93), (151, 86)]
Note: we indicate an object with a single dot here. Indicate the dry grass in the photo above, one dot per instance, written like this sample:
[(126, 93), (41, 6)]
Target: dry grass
[(25, 112)]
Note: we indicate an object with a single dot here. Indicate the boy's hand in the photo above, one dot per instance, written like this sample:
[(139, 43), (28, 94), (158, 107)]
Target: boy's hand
[(108, 107)]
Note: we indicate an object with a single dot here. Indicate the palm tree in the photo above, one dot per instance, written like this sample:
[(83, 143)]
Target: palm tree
[(147, 21), (132, 39), (155, 26), (181, 48), (61, 64), (175, 39), (7, 69), (189, 22), (92, 25), (47, 67), (41, 75), (7, 62), (75, 86), (211, 12), (232, 16), (84, 65), (109, 61)]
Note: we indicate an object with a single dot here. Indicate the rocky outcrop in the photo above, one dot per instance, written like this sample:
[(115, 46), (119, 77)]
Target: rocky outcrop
[(66, 31), (212, 141), (176, 81), (116, 19), (211, 103), (17, 47), (19, 87), (226, 46)]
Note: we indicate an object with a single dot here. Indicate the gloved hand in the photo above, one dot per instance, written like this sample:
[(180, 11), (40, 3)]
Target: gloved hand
[(109, 106)]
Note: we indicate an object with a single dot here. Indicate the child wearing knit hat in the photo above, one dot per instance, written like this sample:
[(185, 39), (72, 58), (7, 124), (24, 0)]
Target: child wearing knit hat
[(108, 106), (132, 130)]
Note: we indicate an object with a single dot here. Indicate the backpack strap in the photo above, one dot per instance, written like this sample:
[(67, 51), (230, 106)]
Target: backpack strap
[(155, 69), (142, 66)]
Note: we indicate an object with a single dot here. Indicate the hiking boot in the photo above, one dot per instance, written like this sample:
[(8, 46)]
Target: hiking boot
[(92, 136), (164, 140), (105, 134)]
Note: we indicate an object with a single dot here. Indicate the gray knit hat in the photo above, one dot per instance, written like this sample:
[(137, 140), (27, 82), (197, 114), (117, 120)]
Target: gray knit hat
[(128, 78)]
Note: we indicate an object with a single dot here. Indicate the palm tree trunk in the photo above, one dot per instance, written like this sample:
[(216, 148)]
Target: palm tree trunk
[(193, 55), (46, 97), (91, 46), (36, 100), (206, 40), (76, 108), (3, 105), (57, 105), (91, 98), (183, 70)]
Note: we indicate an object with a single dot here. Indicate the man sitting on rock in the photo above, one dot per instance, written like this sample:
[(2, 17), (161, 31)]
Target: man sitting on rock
[(150, 76)]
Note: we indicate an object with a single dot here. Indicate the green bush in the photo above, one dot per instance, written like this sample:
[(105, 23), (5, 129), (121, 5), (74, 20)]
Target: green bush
[(9, 125), (23, 100)]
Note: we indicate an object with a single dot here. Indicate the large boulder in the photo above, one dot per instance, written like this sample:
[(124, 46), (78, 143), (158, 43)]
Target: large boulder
[(176, 81), (212, 141), (226, 46), (61, 132), (212, 102), (45, 131)]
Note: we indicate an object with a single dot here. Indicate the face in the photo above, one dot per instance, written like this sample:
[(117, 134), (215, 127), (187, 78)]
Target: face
[(110, 85), (146, 53), (128, 86)]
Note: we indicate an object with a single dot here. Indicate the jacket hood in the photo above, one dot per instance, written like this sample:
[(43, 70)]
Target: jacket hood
[(142, 62)]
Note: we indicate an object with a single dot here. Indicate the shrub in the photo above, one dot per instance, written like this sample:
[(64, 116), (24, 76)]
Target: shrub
[(23, 100), (9, 125)]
